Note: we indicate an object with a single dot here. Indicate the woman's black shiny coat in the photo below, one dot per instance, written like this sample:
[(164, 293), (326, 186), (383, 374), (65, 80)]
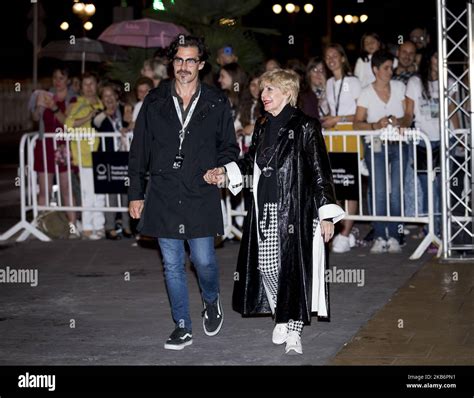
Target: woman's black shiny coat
[(304, 185)]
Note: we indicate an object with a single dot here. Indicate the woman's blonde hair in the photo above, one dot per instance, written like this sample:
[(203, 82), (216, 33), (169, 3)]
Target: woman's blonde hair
[(286, 80)]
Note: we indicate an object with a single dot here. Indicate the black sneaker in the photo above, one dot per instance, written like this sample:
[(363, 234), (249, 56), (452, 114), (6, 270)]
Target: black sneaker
[(179, 339), (213, 316)]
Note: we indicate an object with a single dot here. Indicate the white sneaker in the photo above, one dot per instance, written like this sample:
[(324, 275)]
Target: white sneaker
[(341, 244), (280, 333), (352, 240), (293, 343), (380, 246), (393, 246)]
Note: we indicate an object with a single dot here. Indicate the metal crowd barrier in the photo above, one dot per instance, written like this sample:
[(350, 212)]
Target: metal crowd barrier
[(392, 136), (29, 180), (347, 141)]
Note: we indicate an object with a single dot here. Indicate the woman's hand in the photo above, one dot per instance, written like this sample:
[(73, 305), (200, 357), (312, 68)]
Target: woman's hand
[(327, 230), (215, 176)]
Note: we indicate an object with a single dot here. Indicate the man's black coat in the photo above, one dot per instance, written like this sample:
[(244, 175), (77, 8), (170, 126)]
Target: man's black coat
[(179, 204)]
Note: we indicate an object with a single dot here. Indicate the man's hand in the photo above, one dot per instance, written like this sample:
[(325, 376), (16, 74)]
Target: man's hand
[(327, 230), (135, 208), (215, 176)]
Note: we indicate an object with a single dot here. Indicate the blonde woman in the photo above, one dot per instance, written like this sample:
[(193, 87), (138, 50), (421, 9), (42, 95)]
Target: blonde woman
[(292, 214)]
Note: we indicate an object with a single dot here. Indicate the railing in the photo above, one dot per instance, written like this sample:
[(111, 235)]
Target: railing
[(348, 141)]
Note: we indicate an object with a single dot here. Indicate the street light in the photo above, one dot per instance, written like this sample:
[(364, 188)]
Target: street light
[(338, 19), (363, 18), (64, 26), (308, 8), (84, 11), (89, 9), (348, 18), (290, 7), (355, 19), (78, 8), (277, 8)]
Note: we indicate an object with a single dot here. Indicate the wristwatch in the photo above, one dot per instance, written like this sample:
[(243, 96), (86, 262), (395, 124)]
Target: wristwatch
[(56, 110)]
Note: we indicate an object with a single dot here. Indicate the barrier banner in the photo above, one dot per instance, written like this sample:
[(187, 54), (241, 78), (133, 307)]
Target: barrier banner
[(110, 172), (345, 171)]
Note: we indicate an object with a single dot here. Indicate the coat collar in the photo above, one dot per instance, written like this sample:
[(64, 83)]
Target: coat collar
[(162, 96), (285, 131)]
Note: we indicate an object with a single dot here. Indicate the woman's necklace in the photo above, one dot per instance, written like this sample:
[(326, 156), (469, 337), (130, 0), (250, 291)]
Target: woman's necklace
[(267, 170)]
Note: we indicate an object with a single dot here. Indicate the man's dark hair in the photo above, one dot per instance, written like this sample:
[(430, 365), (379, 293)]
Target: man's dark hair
[(188, 41), (381, 56)]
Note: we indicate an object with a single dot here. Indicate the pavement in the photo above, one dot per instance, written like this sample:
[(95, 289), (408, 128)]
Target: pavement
[(105, 303)]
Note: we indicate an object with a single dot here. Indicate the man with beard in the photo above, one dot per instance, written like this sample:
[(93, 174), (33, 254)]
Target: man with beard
[(183, 130)]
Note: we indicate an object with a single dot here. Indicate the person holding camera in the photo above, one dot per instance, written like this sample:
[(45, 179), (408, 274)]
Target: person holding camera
[(381, 105)]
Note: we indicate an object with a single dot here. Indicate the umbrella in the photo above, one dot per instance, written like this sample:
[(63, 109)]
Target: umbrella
[(83, 49), (145, 33)]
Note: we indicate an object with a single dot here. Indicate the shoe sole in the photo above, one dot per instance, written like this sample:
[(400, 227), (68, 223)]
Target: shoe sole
[(177, 347), (293, 351)]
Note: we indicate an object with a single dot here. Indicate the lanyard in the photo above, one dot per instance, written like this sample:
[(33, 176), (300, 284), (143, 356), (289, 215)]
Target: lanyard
[(338, 95), (188, 118)]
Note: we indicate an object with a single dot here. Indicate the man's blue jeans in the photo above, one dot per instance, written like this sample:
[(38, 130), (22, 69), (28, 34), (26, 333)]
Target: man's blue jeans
[(378, 174), (203, 257)]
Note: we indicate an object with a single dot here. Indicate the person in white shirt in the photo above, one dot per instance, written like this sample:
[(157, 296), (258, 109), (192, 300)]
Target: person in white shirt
[(342, 91), (380, 104), (369, 44), (422, 105)]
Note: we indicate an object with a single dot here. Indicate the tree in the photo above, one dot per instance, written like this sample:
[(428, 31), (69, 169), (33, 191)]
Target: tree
[(220, 23)]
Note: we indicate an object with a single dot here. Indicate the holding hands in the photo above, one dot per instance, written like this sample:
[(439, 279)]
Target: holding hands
[(215, 176)]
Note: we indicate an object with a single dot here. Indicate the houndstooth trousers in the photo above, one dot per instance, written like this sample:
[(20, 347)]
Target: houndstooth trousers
[(269, 257)]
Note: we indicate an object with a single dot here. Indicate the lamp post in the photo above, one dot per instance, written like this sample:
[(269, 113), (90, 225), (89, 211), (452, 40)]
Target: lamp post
[(84, 11)]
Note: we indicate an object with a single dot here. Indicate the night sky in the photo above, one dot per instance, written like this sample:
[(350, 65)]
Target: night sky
[(389, 18)]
